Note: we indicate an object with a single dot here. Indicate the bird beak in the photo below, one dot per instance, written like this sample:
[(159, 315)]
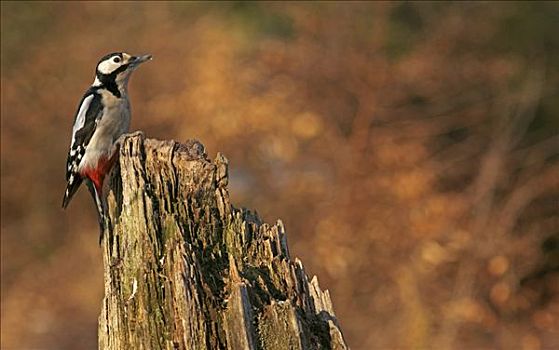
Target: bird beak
[(138, 60)]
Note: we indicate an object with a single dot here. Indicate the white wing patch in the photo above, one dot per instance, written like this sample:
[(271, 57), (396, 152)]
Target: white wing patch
[(80, 118)]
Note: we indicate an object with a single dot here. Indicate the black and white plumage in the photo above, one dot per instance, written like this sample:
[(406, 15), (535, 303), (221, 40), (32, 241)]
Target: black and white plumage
[(103, 115)]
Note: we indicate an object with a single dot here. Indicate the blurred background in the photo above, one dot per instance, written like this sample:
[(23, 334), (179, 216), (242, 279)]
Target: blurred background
[(411, 149)]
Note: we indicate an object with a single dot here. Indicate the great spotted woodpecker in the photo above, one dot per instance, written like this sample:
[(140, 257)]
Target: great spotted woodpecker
[(103, 115)]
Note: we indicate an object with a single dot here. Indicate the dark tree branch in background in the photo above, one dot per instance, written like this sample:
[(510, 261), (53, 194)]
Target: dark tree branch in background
[(186, 270)]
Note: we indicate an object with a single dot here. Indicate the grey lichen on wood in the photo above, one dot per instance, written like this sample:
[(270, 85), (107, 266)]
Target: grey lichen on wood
[(183, 269)]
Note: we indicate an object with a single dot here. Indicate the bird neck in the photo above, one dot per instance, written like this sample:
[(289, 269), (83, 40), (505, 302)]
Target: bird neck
[(115, 86)]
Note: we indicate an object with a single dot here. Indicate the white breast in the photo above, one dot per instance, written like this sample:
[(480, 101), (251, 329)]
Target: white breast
[(114, 122)]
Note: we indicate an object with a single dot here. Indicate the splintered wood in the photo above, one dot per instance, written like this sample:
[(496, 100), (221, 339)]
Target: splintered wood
[(183, 269)]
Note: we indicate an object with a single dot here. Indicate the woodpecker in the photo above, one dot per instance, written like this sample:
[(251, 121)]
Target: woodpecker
[(103, 115)]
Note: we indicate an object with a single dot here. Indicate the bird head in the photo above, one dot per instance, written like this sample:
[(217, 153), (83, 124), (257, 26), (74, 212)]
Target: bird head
[(116, 68)]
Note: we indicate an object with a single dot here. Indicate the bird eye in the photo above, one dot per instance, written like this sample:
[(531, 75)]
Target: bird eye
[(116, 59)]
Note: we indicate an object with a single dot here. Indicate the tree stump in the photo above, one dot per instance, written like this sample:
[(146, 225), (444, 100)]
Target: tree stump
[(183, 269)]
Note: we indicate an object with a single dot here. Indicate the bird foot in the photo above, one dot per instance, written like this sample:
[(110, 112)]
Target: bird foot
[(123, 137)]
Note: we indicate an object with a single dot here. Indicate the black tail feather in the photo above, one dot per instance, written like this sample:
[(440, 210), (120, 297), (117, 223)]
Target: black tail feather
[(101, 216), (71, 189)]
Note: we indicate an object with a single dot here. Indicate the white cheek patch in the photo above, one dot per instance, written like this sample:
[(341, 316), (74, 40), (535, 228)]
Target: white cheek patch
[(108, 66)]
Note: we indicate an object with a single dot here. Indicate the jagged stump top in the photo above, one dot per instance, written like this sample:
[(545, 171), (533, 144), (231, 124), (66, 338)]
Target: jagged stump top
[(183, 269)]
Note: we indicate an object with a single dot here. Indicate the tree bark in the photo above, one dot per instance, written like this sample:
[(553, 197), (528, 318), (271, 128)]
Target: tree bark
[(183, 269)]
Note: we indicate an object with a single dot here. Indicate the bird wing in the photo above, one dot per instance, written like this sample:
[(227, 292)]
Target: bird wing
[(85, 123)]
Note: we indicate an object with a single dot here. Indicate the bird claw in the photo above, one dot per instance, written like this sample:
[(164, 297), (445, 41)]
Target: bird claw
[(123, 137), (136, 133)]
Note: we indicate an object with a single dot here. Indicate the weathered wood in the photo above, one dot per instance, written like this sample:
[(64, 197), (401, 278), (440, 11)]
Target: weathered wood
[(183, 269)]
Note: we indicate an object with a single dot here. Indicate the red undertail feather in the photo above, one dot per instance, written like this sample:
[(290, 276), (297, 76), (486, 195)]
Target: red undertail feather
[(97, 174)]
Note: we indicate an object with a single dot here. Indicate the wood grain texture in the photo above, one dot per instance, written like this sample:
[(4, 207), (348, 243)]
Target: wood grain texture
[(183, 269)]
